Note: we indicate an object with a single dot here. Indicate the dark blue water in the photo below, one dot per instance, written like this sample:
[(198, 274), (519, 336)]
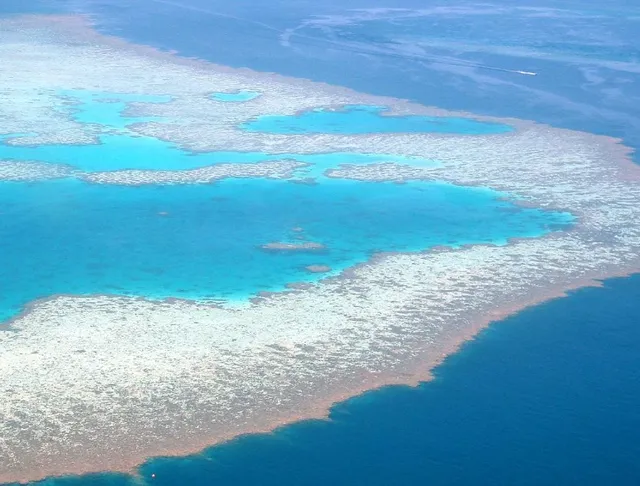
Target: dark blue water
[(548, 397), (536, 400), (544, 398), (586, 55)]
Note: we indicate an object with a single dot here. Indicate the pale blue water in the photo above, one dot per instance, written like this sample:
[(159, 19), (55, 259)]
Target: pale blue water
[(360, 119), (125, 151), (107, 109), (239, 96)]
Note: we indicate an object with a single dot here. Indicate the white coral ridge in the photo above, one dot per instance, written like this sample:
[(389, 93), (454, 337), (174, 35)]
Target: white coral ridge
[(30, 171), (279, 169), (94, 383)]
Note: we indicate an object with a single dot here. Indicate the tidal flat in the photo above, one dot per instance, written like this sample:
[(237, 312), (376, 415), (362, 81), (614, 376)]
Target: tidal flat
[(102, 381)]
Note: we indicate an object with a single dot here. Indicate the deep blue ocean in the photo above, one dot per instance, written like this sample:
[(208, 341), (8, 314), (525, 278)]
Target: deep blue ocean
[(546, 397)]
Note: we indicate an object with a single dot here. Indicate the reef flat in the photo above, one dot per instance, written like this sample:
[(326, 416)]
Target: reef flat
[(101, 382), (29, 171), (271, 170)]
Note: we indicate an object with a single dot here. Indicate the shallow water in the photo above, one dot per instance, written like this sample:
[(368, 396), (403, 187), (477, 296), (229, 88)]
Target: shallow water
[(107, 109), (125, 151), (235, 97), (122, 149), (203, 241), (359, 119)]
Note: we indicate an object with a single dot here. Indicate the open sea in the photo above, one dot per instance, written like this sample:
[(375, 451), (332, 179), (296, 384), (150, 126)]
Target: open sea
[(546, 397)]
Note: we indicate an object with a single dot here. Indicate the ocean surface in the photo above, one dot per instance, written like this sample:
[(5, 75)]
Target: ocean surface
[(546, 397)]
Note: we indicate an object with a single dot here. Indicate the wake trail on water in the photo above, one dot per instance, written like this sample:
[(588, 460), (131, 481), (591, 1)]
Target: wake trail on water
[(342, 46)]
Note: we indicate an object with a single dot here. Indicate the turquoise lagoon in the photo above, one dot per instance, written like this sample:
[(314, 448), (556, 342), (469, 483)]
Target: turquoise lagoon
[(204, 241), (363, 119), (106, 109), (122, 149)]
